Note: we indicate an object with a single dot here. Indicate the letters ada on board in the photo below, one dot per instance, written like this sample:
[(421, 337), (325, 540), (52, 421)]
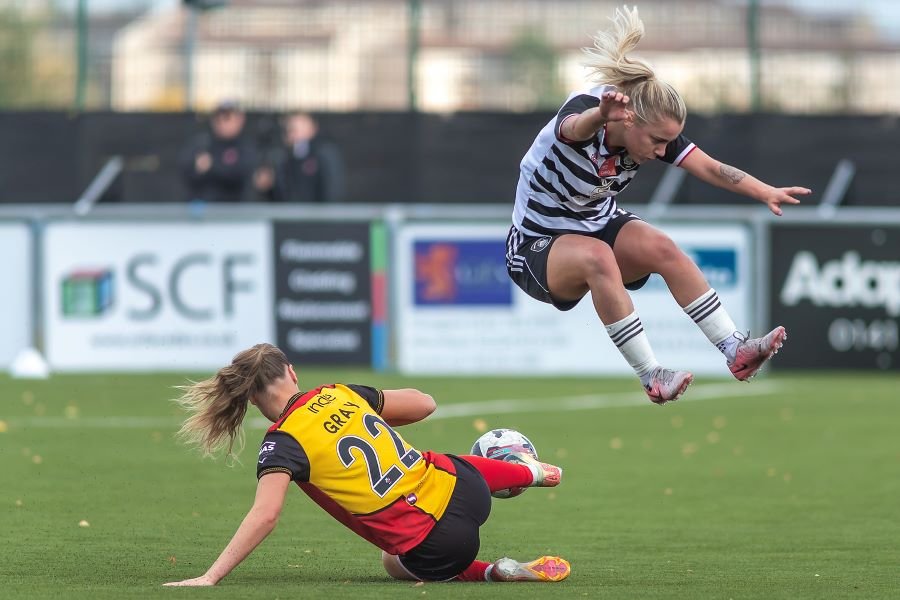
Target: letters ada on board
[(323, 292), (837, 291)]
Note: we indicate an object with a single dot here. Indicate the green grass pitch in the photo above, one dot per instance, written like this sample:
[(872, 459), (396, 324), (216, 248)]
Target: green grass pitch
[(788, 487)]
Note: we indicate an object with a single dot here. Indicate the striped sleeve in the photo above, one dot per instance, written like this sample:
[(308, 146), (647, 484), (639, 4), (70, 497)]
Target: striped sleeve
[(677, 150), (575, 106)]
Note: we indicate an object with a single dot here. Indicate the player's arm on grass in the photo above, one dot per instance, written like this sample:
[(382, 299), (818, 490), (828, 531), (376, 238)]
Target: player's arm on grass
[(706, 168), (259, 523), (405, 406)]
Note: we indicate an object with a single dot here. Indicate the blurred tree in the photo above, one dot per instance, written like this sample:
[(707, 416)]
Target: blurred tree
[(534, 71), (16, 58), (34, 68)]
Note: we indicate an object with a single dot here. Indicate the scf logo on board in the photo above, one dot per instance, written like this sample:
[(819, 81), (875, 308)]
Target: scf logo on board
[(198, 286)]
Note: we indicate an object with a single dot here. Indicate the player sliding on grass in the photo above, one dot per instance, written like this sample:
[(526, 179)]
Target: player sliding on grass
[(569, 238), (337, 442)]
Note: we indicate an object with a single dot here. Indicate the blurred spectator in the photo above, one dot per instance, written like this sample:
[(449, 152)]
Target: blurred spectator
[(218, 165), (308, 169)]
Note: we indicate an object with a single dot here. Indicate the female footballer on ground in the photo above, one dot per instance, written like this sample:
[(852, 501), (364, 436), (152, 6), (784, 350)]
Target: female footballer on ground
[(337, 442), (569, 238)]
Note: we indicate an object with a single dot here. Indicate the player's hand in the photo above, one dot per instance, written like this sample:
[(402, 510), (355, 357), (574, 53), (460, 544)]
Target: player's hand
[(264, 179), (614, 106), (203, 162), (779, 196), (202, 581)]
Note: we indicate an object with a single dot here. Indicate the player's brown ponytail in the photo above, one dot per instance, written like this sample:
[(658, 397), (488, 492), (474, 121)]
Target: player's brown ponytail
[(217, 405), (608, 63)]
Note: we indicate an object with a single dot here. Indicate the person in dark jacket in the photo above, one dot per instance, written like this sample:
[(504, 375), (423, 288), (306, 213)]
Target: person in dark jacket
[(310, 168), (219, 165)]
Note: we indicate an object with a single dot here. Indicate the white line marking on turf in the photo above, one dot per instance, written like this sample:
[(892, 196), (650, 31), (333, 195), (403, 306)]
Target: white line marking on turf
[(449, 411), (592, 401), (95, 422)]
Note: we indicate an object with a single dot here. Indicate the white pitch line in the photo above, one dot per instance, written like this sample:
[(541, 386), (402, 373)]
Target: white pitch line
[(94, 422), (593, 401), (450, 411)]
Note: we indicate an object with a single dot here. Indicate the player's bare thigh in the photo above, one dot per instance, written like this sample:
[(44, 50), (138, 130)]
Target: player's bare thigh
[(394, 568), (641, 249), (574, 260)]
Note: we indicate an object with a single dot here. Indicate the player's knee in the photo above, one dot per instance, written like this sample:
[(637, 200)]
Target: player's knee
[(394, 568), (599, 261), (665, 252)]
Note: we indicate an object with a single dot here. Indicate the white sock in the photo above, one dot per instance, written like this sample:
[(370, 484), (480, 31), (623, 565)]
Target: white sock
[(629, 337), (536, 473), (715, 323)]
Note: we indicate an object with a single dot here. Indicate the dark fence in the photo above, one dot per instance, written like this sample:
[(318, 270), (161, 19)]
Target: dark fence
[(464, 157)]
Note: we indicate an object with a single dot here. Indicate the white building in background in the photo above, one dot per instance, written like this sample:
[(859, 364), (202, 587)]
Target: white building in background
[(353, 55)]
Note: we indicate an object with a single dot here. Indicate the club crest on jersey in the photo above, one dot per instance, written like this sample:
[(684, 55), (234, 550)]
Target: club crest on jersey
[(601, 190), (627, 163), (265, 451), (411, 498), (539, 245)]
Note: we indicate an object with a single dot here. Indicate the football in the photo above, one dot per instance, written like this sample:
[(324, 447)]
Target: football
[(497, 444)]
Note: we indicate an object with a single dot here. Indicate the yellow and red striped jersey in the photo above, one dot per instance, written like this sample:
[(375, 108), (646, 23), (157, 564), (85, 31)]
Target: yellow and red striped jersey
[(334, 444)]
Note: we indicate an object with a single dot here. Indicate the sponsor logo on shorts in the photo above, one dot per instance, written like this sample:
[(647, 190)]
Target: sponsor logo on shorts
[(540, 244)]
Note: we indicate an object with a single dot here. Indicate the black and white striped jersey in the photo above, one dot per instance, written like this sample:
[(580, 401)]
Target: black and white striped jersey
[(571, 187)]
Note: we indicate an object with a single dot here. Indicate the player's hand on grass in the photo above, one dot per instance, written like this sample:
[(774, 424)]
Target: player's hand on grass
[(201, 581), (614, 106), (778, 196)]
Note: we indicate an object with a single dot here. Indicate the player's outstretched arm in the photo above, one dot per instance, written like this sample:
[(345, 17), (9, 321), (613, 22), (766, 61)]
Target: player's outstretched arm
[(613, 107), (258, 524), (405, 406), (704, 167)]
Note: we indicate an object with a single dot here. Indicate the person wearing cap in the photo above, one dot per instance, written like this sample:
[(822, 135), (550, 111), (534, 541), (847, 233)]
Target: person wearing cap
[(218, 165)]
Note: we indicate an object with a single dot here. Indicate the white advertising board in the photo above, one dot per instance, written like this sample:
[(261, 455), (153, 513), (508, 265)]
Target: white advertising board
[(457, 312), (158, 296), (15, 302)]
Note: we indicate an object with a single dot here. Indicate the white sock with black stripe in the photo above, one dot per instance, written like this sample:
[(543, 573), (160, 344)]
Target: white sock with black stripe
[(715, 323), (629, 337)]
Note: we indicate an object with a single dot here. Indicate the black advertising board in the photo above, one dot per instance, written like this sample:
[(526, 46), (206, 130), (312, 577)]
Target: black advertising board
[(837, 291), (323, 292)]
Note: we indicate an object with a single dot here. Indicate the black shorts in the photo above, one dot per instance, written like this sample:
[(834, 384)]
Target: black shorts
[(526, 259), (453, 543)]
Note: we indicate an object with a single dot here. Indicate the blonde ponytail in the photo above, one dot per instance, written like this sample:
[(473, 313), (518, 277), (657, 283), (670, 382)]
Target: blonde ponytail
[(217, 405), (609, 63)]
